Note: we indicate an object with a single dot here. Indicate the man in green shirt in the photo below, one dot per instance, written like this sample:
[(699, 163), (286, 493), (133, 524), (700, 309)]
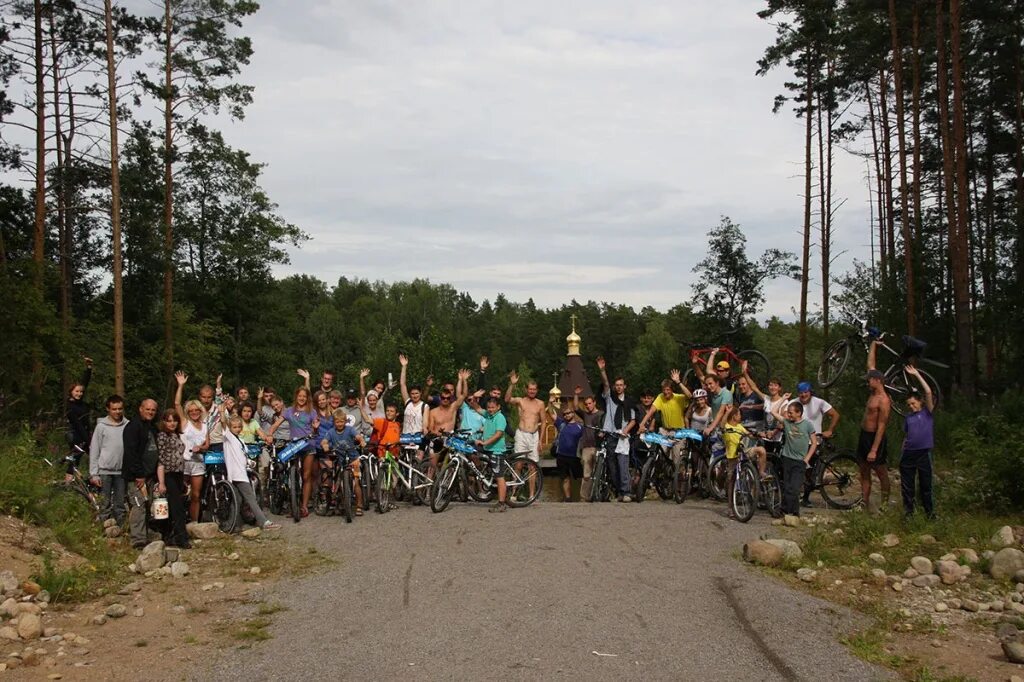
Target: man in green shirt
[(797, 451), (493, 441)]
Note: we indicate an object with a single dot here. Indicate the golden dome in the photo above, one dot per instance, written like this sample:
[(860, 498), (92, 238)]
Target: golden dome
[(573, 340)]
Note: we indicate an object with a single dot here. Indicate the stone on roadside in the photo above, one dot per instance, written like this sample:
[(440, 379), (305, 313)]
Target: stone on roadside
[(791, 521), (30, 626), (251, 533), (996, 606), (967, 554), (921, 564), (110, 523), (928, 580), (777, 522), (152, 557), (953, 603), (9, 633), (1006, 631), (838, 531), (1018, 577), (179, 569), (255, 570), (112, 532), (116, 611), (790, 550), (9, 607), (234, 556), (897, 587), (8, 581), (878, 576), (1003, 537), (806, 574), (202, 531), (970, 605), (890, 540), (941, 607), (138, 612), (948, 556), (910, 574), (172, 554), (949, 572), (876, 558), (926, 539), (43, 597), (1014, 651), (30, 587), (1006, 563), (29, 607)]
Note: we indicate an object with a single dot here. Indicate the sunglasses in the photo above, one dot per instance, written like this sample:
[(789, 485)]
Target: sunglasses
[(446, 398)]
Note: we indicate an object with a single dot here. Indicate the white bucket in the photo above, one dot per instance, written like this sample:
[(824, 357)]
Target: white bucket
[(160, 508)]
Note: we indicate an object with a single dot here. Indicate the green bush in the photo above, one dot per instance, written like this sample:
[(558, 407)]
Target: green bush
[(988, 460)]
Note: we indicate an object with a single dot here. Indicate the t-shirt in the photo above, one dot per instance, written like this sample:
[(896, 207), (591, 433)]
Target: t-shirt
[(769, 418), (751, 410), (234, 457), (193, 438), (412, 417), (386, 434), (699, 422), (798, 438), (919, 427), (593, 420), (375, 413), (472, 421), (569, 435), (248, 434), (354, 417), (732, 434), (493, 424), (814, 411), (609, 414), (341, 440), (717, 401), (300, 422), (672, 409)]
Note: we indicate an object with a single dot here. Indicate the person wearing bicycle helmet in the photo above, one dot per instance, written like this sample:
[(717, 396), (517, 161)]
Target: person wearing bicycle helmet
[(699, 413)]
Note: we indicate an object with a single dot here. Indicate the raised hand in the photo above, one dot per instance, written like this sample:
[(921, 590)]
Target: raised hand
[(485, 362), (674, 375), (578, 390), (259, 393), (364, 372), (743, 366), (479, 393), (430, 380), (463, 373), (88, 361), (600, 362), (912, 371), (786, 396), (304, 373), (180, 377), (402, 360), (513, 377)]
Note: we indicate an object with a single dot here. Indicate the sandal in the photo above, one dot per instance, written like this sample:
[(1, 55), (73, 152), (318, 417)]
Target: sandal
[(304, 512), (359, 512)]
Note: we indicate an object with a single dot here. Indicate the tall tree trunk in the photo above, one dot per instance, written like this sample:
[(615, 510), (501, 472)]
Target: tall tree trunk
[(988, 260), (961, 285), (890, 216), (823, 210), (901, 138), (948, 152), (876, 153), (115, 206), (168, 191), (1018, 129), (801, 347), (39, 227), (916, 116), (827, 254), (63, 236)]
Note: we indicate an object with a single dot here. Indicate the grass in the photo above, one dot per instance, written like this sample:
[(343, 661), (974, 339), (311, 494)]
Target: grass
[(270, 609), (251, 630), (191, 639)]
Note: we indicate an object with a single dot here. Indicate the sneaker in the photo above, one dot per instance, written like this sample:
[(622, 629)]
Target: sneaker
[(626, 498), (566, 499), (498, 507), (805, 503), (270, 525)]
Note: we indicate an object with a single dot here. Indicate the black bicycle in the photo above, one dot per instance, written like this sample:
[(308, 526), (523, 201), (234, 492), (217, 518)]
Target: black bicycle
[(834, 473), (898, 383), (218, 498), (76, 482), (658, 469), (336, 484)]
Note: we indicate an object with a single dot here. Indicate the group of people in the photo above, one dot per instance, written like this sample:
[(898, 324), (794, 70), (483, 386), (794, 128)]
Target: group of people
[(135, 458)]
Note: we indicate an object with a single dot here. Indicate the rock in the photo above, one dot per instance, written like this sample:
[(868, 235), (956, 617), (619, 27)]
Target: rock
[(13, 663), (179, 569), (970, 605), (138, 612), (116, 611), (9, 633), (923, 565), (218, 586), (1014, 650), (30, 587), (1016, 678), (178, 609), (54, 676), (202, 531), (110, 523), (43, 597), (897, 587), (776, 522), (112, 532), (1017, 608), (910, 574), (791, 520), (172, 554), (1007, 631), (251, 533), (29, 607), (1018, 577), (967, 554), (890, 540), (1003, 537), (207, 587), (953, 603), (151, 558), (838, 531), (99, 619), (996, 606), (29, 658), (790, 550), (9, 608), (876, 558), (878, 576), (936, 643), (941, 606), (30, 626), (949, 572), (255, 570), (948, 557), (806, 574), (1006, 563), (926, 539), (8, 581), (234, 556), (929, 580)]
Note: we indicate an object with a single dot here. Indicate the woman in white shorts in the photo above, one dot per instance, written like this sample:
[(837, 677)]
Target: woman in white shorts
[(196, 437)]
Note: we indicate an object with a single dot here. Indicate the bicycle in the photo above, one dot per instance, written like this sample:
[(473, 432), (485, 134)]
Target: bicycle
[(898, 384), (336, 485), (758, 365), (749, 490), (689, 471), (455, 471), (252, 454), (369, 466), (284, 478), (393, 484), (602, 484), (835, 474), (218, 498), (658, 469), (78, 483)]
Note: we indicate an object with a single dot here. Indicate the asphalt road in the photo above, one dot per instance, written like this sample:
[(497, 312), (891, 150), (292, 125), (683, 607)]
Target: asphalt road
[(555, 591)]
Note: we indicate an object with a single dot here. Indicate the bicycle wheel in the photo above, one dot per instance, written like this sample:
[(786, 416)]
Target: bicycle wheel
[(663, 481), (681, 480), (717, 478), (773, 496), (444, 487), (225, 506), (275, 495), (599, 491), (480, 488), (758, 366), (346, 494), (899, 385), (294, 491), (385, 487), (838, 479), (421, 482), (833, 362), (322, 506), (520, 474), (742, 496), (646, 474)]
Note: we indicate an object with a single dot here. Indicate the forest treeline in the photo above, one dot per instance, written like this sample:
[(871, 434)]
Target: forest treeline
[(130, 231)]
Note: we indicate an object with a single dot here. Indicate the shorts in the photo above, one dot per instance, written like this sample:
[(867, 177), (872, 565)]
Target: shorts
[(528, 444), (864, 443), (569, 466), (193, 468)]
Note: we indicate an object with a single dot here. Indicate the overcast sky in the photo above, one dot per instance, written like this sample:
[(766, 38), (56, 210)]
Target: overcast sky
[(552, 150)]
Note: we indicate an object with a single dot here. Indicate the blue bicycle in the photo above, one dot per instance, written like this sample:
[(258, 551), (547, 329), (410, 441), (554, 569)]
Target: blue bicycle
[(284, 478)]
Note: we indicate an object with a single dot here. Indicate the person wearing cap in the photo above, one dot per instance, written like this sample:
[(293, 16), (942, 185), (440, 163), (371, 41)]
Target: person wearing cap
[(722, 369), (354, 415), (872, 445)]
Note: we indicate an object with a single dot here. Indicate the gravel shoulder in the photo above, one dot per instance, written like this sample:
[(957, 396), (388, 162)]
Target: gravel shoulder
[(650, 591)]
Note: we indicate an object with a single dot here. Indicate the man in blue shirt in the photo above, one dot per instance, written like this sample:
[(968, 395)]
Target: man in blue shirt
[(342, 439), (570, 431)]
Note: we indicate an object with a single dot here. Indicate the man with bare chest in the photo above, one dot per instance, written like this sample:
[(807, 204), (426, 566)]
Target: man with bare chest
[(531, 418), (872, 446), (442, 420)]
